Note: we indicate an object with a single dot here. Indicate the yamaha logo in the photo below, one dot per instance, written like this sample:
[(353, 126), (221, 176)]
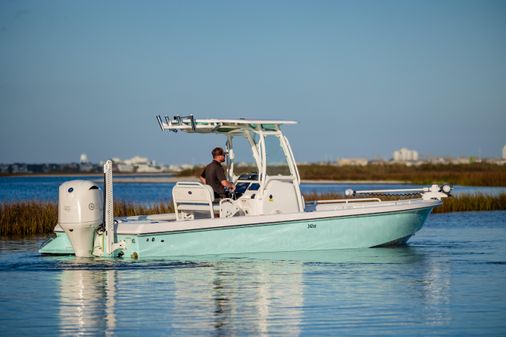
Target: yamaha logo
[(91, 206)]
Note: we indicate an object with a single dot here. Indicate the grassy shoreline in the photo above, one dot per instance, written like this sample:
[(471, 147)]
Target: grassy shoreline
[(29, 218), (476, 174)]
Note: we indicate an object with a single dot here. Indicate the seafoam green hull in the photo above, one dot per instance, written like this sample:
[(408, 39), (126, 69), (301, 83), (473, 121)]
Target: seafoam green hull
[(59, 245), (318, 234)]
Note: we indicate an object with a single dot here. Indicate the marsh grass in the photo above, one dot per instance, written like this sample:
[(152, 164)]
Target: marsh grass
[(478, 174), (472, 202), (27, 218), (475, 174), (123, 208)]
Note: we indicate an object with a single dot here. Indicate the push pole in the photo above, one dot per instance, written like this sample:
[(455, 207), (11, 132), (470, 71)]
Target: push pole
[(108, 209)]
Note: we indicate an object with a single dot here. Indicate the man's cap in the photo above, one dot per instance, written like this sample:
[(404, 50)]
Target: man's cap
[(218, 151)]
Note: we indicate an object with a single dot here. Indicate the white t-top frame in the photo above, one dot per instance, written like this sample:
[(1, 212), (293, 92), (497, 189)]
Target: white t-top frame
[(253, 130)]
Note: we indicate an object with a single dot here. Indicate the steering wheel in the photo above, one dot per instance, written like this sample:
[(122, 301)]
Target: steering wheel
[(232, 194)]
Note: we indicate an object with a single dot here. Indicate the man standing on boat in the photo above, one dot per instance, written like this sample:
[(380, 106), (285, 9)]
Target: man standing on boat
[(214, 174)]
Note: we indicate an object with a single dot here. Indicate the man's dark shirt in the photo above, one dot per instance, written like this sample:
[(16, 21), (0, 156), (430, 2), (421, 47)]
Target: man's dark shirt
[(214, 174)]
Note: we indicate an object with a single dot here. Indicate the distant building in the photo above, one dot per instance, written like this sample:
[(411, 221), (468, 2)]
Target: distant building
[(462, 160), (145, 168), (19, 168), (352, 162), (404, 155), (85, 165), (83, 159), (179, 168), (377, 161), (4, 168), (504, 152), (137, 164), (138, 160)]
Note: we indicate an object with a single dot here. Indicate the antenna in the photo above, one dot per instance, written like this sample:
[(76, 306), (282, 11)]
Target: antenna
[(160, 122)]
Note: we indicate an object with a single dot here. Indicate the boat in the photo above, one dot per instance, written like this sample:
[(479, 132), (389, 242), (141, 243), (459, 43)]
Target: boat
[(266, 213)]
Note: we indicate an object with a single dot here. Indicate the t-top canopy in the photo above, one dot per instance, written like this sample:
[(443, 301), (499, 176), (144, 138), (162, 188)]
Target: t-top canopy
[(192, 125)]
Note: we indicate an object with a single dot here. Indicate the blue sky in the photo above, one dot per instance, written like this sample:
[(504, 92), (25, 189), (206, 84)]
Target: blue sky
[(363, 78)]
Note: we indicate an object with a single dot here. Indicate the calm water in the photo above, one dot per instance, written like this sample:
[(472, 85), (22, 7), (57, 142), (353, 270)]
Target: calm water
[(449, 281), (46, 189)]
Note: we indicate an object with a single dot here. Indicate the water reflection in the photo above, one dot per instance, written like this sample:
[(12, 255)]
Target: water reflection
[(87, 302), (233, 297), (437, 292), (261, 294)]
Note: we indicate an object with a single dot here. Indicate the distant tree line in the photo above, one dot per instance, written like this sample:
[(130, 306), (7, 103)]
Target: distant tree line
[(48, 168)]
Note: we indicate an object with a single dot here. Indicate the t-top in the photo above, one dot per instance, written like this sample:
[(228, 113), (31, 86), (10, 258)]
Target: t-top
[(214, 174)]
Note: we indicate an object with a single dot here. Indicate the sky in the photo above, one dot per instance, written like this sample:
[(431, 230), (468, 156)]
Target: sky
[(362, 78)]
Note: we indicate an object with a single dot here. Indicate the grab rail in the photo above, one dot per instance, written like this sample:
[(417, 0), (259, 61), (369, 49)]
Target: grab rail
[(345, 201)]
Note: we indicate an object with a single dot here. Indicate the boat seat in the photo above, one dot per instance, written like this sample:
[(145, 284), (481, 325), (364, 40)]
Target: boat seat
[(193, 199)]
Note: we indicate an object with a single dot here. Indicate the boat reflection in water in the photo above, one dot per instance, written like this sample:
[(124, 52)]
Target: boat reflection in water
[(261, 294), (87, 301)]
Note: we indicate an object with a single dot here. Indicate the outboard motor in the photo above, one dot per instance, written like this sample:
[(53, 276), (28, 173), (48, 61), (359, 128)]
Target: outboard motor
[(80, 212)]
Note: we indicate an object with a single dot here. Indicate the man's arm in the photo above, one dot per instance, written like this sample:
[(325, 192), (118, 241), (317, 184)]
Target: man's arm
[(203, 176), (220, 174), (228, 185)]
